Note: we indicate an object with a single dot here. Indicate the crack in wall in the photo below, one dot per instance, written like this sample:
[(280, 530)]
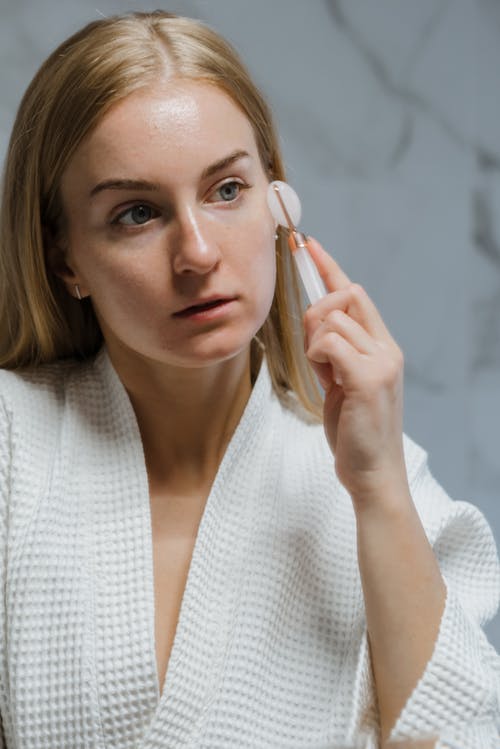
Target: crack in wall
[(483, 226), (485, 158)]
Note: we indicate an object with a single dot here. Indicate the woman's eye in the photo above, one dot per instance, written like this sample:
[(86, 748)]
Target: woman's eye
[(136, 215), (230, 191)]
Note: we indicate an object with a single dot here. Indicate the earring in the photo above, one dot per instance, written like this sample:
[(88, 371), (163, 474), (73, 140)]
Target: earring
[(276, 236), (77, 290)]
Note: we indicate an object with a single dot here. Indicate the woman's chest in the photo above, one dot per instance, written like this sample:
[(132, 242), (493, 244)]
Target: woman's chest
[(174, 525), (171, 560)]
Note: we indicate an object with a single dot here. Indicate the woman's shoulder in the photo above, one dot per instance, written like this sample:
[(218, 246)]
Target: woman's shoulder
[(29, 387), (301, 433)]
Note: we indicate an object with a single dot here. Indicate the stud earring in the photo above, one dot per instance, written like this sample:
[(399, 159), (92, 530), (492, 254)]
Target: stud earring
[(77, 290)]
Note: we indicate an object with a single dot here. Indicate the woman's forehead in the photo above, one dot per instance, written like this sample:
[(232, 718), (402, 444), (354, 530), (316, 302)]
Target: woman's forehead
[(176, 123)]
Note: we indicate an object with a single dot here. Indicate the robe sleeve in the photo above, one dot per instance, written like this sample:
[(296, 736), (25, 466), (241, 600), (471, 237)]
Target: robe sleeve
[(458, 696)]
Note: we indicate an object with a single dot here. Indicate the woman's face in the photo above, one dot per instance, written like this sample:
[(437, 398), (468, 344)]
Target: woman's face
[(153, 226)]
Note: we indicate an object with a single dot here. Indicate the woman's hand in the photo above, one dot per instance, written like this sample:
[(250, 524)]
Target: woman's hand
[(345, 337)]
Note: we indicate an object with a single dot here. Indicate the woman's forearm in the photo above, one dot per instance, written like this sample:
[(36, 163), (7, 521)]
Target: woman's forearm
[(404, 595)]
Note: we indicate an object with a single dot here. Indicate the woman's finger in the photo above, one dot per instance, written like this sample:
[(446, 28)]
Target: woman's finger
[(338, 358), (330, 271), (364, 310), (339, 322), (318, 311), (334, 278), (356, 303)]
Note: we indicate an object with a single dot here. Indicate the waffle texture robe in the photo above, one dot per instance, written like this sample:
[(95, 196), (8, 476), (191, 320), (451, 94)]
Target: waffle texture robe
[(271, 648)]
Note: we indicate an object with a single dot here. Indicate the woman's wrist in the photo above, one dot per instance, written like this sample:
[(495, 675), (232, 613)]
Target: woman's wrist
[(385, 494)]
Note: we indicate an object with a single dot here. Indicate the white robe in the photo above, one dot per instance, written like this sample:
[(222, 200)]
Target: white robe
[(271, 647)]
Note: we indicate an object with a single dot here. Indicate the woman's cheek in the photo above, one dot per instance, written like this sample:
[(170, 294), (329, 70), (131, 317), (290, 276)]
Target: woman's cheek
[(120, 295)]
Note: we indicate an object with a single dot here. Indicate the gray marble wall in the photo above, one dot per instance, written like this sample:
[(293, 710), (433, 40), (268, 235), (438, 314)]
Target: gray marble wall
[(389, 114)]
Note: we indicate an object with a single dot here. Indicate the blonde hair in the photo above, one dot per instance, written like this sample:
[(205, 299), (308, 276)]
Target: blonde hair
[(40, 322)]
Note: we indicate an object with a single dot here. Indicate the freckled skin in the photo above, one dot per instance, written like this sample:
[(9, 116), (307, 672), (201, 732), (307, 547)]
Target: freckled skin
[(194, 243)]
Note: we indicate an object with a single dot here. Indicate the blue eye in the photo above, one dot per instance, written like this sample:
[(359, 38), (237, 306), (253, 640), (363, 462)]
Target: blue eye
[(138, 214), (229, 192)]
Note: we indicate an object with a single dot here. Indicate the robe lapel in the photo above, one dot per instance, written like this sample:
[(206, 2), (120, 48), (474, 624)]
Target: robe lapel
[(114, 490)]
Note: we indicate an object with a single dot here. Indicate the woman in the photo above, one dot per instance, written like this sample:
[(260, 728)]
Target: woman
[(199, 549)]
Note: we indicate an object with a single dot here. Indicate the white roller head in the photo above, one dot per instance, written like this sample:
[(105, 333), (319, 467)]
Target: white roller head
[(290, 199)]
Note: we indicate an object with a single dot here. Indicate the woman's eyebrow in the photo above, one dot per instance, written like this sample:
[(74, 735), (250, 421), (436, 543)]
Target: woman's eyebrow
[(135, 184), (123, 184), (223, 163)]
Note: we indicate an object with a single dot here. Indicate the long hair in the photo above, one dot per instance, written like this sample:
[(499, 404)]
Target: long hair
[(40, 322)]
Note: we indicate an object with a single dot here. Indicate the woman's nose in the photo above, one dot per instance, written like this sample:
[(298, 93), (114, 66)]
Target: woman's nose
[(195, 251)]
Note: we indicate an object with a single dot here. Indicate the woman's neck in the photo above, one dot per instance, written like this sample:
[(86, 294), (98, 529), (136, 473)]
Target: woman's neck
[(186, 417)]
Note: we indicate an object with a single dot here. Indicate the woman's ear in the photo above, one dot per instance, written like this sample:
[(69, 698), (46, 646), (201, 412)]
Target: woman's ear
[(57, 262)]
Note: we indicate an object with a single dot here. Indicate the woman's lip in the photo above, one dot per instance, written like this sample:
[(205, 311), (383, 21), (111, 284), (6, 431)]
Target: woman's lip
[(213, 300), (209, 313)]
